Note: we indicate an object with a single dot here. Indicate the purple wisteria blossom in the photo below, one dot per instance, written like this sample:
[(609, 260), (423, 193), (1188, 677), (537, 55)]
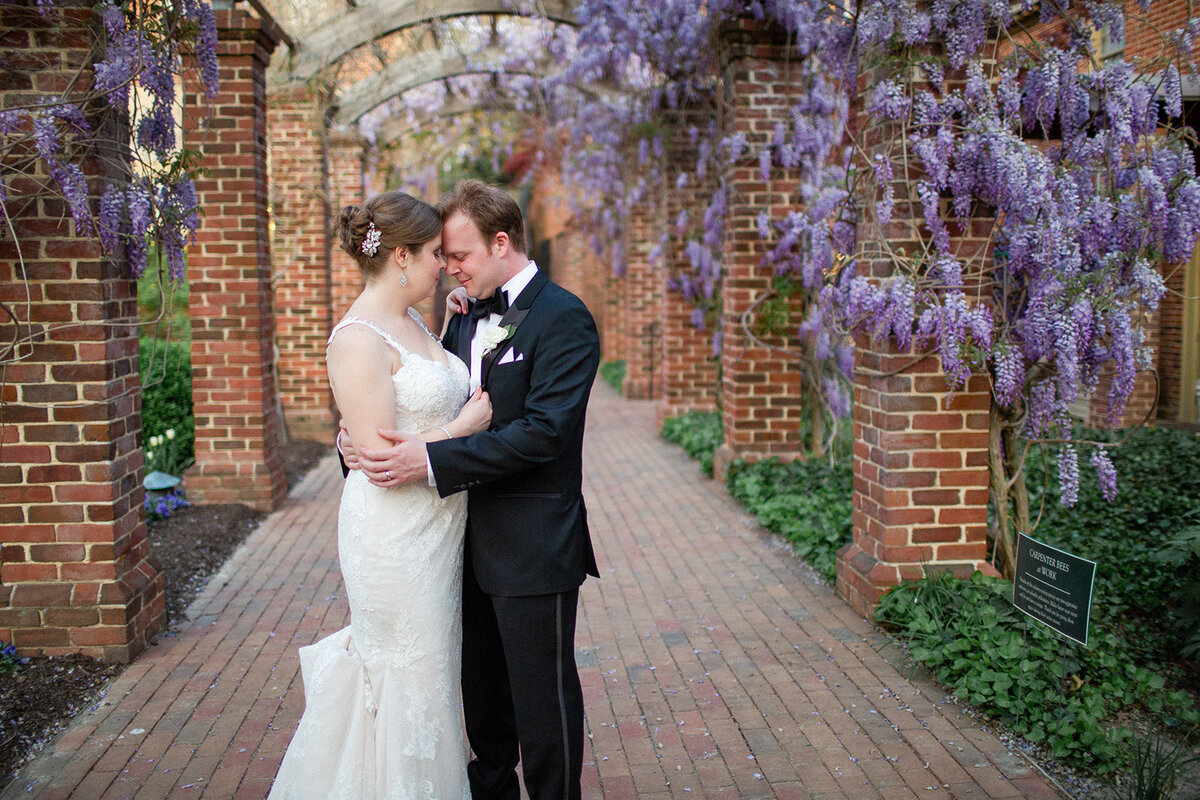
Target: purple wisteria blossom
[(1068, 475), (139, 45), (1106, 473), (1074, 168)]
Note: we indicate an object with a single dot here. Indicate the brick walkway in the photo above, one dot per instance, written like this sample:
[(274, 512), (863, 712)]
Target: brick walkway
[(714, 663)]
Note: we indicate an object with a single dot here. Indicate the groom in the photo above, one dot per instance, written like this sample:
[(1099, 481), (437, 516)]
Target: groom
[(534, 347)]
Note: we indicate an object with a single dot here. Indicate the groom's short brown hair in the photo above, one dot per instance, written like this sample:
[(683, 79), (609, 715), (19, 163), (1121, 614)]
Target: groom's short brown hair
[(490, 208)]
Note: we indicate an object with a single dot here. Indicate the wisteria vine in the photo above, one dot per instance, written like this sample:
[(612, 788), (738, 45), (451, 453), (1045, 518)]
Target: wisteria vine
[(1014, 218), (135, 66), (1079, 168)]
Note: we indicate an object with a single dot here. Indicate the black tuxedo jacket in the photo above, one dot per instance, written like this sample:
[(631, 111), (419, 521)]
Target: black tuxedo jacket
[(527, 530)]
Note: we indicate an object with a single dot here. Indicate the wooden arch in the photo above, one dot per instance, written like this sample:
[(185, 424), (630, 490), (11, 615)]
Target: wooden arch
[(373, 20), (416, 70), (396, 128)]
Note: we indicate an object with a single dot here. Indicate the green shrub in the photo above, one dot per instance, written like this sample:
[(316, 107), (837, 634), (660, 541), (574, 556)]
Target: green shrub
[(613, 373), (1182, 552), (698, 433), (1050, 690), (166, 371), (807, 502)]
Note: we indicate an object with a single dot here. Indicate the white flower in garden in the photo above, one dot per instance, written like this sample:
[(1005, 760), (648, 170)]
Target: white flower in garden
[(170, 433), (149, 455)]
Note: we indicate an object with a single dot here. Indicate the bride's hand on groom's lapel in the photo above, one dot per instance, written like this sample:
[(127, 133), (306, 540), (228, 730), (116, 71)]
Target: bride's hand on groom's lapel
[(457, 301), (476, 415)]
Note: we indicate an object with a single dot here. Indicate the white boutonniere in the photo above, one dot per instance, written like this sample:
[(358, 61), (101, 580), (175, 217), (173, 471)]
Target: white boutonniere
[(495, 337)]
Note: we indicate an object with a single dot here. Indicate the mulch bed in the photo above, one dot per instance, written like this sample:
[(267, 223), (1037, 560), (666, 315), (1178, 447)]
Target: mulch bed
[(41, 699)]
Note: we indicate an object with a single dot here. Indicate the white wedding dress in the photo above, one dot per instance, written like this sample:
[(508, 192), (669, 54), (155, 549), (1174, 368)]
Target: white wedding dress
[(383, 714)]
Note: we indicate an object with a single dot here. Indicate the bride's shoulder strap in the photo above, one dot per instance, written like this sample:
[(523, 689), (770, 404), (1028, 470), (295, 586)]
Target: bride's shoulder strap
[(367, 323), (416, 315)]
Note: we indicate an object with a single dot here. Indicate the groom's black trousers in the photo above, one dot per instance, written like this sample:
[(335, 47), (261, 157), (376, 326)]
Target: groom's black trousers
[(521, 694)]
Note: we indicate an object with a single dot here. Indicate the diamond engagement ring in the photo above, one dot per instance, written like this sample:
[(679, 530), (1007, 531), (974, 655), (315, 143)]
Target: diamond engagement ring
[(388, 474)]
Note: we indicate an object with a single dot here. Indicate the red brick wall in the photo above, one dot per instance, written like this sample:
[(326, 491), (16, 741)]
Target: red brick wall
[(345, 188), (1143, 40), (1170, 353), (575, 267), (643, 302), (75, 576), (614, 340), (920, 474), (689, 367), (1144, 29), (234, 381), (299, 209), (761, 390)]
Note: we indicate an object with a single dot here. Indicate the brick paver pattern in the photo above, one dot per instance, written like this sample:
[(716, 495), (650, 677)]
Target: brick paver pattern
[(715, 664)]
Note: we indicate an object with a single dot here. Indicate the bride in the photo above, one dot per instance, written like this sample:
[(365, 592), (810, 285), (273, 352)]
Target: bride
[(383, 716)]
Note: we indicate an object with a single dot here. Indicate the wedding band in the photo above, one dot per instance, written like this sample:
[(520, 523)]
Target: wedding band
[(388, 474)]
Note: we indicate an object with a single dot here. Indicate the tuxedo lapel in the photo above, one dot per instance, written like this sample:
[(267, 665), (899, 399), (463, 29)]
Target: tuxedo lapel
[(515, 314), (466, 332)]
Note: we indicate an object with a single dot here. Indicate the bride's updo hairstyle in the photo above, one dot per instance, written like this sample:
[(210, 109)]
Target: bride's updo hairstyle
[(401, 221)]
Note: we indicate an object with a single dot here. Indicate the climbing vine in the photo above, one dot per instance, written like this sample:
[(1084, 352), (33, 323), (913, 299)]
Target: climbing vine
[(978, 182)]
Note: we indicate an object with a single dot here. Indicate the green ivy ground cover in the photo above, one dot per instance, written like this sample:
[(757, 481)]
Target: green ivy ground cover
[(1146, 608), (806, 502), (1049, 690), (698, 433)]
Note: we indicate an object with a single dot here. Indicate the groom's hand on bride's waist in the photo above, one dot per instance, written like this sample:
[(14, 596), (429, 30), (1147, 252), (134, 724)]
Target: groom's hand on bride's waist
[(403, 462)]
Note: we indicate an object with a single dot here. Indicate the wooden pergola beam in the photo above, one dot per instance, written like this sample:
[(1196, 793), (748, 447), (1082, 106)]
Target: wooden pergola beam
[(373, 20)]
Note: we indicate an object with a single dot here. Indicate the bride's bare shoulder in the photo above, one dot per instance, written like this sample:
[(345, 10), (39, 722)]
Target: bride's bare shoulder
[(357, 347)]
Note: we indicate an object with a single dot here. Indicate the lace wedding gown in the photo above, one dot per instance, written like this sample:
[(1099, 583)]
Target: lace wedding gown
[(383, 715)]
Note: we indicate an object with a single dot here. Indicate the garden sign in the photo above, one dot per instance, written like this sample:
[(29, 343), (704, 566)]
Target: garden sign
[(1054, 587)]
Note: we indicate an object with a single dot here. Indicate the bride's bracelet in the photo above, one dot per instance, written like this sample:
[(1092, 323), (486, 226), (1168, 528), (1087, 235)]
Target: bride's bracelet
[(442, 428)]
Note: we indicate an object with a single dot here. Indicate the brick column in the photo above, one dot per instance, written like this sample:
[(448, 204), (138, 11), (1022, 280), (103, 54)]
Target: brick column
[(576, 268), (1172, 330), (346, 151), (76, 575), (234, 381), (689, 367), (920, 455), (643, 303), (614, 341), (299, 250), (920, 475), (761, 390)]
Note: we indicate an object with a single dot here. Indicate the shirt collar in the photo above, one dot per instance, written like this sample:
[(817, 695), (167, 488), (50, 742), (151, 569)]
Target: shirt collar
[(516, 284)]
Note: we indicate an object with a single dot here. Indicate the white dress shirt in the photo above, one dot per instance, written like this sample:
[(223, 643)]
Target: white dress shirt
[(512, 289)]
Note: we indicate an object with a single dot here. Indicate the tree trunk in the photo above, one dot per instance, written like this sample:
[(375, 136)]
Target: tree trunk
[(817, 439), (1010, 498)]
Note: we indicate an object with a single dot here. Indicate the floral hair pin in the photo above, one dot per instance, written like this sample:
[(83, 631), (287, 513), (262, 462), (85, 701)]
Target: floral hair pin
[(370, 245)]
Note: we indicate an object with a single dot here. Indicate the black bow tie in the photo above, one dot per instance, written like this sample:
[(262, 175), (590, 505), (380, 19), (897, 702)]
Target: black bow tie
[(496, 304)]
